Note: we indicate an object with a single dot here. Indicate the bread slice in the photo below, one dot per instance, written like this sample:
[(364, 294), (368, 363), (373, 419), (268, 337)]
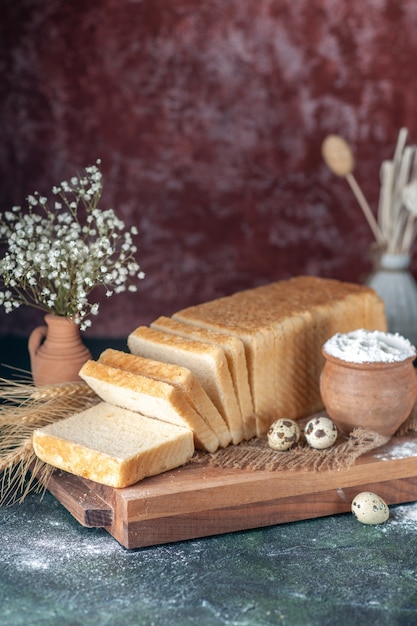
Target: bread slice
[(150, 397), (113, 446), (236, 360), (207, 362), (258, 345), (181, 377), (283, 326)]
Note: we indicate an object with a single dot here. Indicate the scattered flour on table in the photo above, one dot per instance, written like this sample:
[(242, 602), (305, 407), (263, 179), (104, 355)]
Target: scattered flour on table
[(406, 514), (50, 543), (365, 346), (400, 451)]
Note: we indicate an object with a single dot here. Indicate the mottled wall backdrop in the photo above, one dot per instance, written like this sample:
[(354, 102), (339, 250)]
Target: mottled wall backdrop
[(208, 117)]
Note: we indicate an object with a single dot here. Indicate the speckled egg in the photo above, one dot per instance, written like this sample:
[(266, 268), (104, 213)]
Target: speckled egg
[(283, 434), (369, 508), (320, 432)]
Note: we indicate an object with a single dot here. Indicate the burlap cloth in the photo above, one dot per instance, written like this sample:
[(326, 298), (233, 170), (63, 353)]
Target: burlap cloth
[(257, 455)]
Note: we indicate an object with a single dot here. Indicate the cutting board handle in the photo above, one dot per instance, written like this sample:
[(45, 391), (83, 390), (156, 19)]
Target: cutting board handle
[(85, 505)]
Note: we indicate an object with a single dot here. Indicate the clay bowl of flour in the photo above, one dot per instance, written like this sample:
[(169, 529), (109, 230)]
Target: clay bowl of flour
[(368, 380)]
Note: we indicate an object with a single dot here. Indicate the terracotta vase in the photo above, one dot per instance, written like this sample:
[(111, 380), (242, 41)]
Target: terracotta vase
[(56, 351), (375, 396)]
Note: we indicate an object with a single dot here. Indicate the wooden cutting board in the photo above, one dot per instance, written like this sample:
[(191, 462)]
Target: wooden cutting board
[(199, 500)]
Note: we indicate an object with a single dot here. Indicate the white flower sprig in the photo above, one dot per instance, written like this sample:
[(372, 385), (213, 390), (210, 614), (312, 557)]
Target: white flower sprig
[(55, 257)]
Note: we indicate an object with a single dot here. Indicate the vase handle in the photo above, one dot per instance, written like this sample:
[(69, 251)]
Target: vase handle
[(36, 338)]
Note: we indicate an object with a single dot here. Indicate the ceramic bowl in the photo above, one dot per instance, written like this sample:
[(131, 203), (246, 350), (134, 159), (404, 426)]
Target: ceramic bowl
[(377, 396)]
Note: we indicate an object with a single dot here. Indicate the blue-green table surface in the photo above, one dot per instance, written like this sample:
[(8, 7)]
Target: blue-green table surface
[(328, 571)]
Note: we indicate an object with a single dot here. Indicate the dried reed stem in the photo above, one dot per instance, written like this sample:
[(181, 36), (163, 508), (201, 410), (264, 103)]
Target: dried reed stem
[(396, 222), (386, 177)]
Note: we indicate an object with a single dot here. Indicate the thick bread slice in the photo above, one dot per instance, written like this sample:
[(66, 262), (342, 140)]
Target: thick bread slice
[(236, 359), (258, 345), (113, 446), (207, 362), (283, 326), (181, 377), (153, 398)]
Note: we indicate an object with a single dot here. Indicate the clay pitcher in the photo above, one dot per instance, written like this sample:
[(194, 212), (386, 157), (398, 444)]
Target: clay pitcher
[(56, 351)]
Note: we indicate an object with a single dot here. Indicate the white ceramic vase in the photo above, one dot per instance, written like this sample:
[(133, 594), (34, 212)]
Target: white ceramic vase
[(395, 285)]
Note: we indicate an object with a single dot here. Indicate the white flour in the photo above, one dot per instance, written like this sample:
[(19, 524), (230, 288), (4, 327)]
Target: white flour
[(401, 451), (405, 514), (365, 346)]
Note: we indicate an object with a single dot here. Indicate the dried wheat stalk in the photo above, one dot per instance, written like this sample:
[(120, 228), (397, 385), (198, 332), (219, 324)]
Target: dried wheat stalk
[(25, 407)]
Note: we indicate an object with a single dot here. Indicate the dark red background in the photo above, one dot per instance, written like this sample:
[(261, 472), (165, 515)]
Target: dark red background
[(208, 117)]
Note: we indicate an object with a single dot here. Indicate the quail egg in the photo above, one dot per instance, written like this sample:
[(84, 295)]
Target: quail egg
[(320, 432), (283, 434), (369, 508)]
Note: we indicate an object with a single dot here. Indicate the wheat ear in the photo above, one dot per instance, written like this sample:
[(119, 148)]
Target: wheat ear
[(24, 408)]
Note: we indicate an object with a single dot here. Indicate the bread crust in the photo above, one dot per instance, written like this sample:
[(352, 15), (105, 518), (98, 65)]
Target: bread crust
[(207, 362), (236, 360), (180, 377), (113, 446), (283, 326), (150, 397)]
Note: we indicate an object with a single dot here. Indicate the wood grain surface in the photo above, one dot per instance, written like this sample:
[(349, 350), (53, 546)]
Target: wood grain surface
[(200, 500)]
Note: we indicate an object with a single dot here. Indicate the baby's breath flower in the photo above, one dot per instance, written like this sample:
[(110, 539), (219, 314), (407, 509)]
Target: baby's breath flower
[(53, 261)]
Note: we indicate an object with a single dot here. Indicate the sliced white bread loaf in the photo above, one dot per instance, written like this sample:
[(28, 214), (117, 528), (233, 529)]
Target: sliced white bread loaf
[(259, 349), (153, 398), (181, 377), (283, 326), (207, 362), (236, 360), (113, 446)]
